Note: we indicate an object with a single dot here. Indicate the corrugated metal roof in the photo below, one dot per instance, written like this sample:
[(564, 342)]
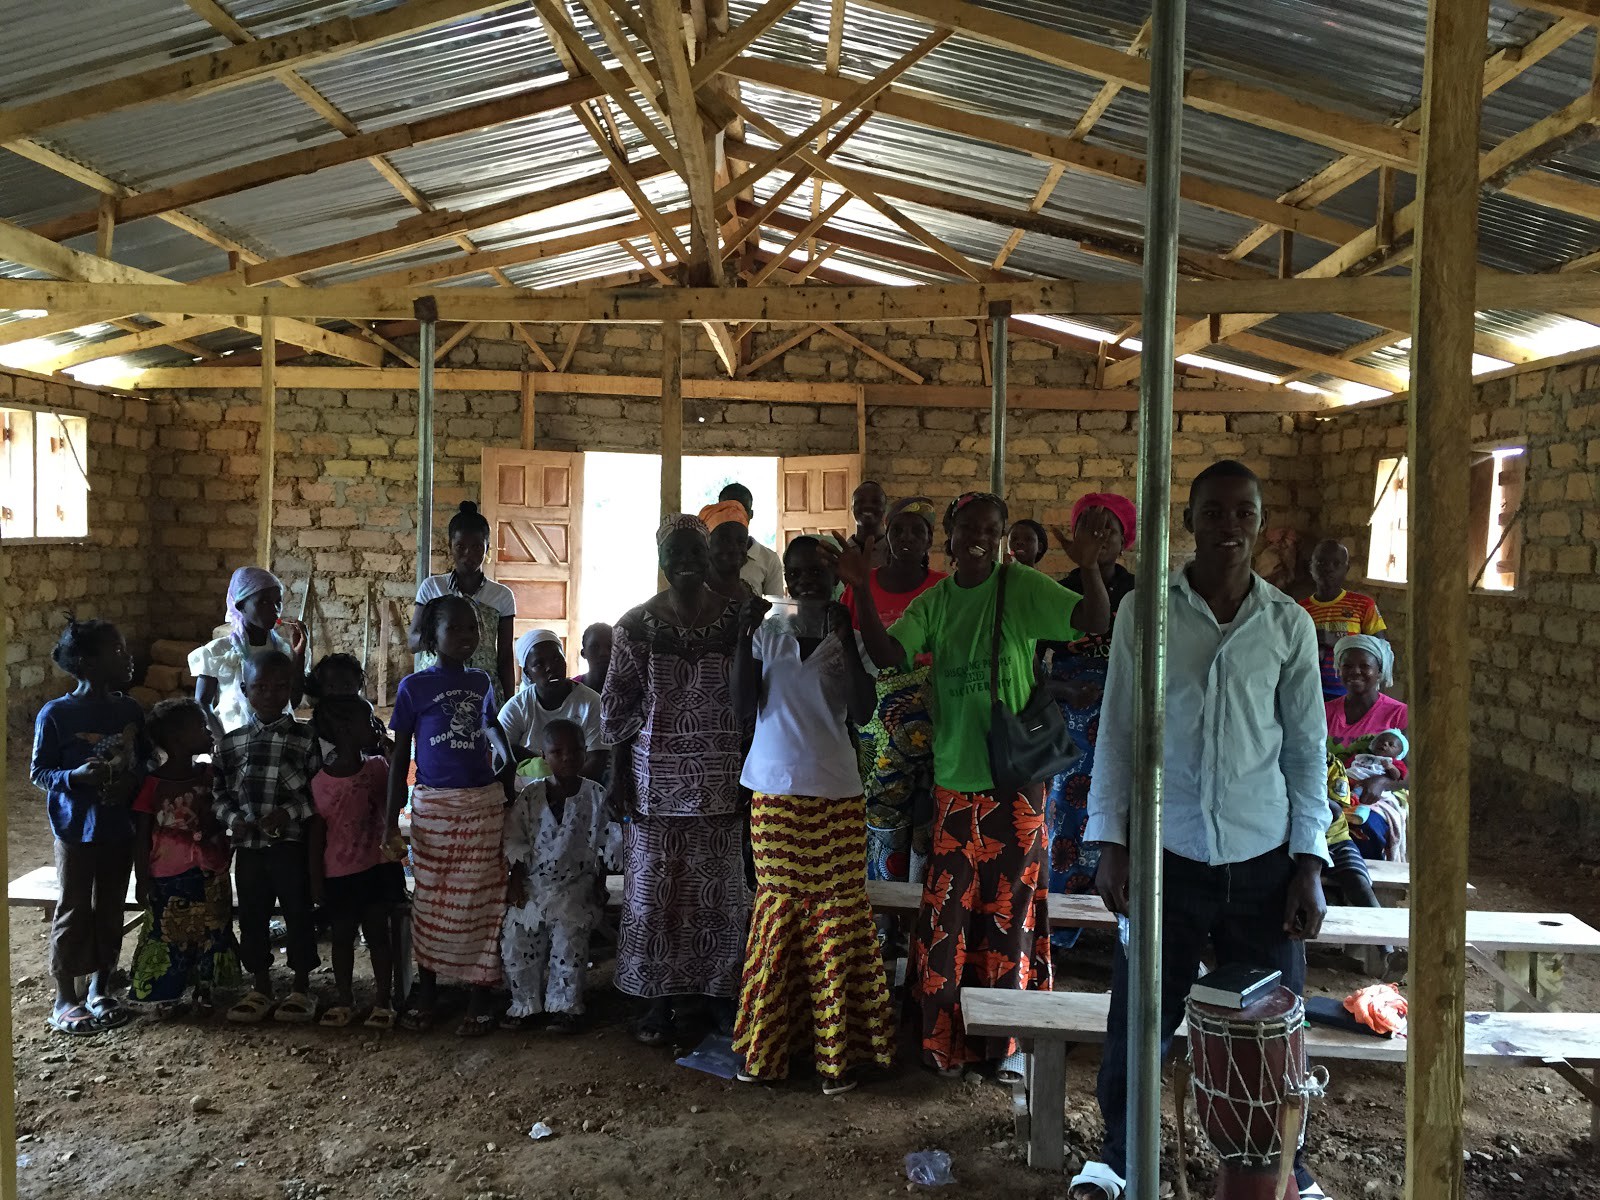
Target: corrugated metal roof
[(1362, 57)]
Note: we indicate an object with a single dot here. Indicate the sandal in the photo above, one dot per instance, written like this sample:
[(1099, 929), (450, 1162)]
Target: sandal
[(655, 1028), (380, 1018), (76, 1021), (838, 1087), (108, 1013), (296, 1009), (478, 1026), (252, 1010), (517, 1024), (337, 1017), (1100, 1177), (418, 1019), (565, 1024), (1012, 1069)]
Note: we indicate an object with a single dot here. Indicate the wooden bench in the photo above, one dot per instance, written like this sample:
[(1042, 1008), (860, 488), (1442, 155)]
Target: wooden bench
[(1522, 951), (1394, 878), (1049, 1021)]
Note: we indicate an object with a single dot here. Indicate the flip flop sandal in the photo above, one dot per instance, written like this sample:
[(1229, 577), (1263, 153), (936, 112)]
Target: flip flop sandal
[(417, 1019), (1313, 1192), (1098, 1175), (838, 1087), (652, 1033), (1012, 1069), (516, 1024), (251, 1010), (76, 1021), (337, 1017), (476, 1027), (109, 1013), (296, 1009), (380, 1018)]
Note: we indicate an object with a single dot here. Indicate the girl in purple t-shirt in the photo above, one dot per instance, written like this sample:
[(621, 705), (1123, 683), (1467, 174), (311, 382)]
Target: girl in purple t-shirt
[(457, 816)]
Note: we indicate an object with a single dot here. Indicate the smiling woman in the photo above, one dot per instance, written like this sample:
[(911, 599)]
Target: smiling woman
[(955, 945)]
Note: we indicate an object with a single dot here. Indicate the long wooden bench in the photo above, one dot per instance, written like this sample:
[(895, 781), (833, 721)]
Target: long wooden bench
[(1049, 1021)]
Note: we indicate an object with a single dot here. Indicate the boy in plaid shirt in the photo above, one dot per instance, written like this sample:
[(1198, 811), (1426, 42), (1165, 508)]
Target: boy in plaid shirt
[(263, 800)]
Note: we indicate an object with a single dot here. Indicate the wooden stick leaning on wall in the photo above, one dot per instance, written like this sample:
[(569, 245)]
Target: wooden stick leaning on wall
[(268, 447)]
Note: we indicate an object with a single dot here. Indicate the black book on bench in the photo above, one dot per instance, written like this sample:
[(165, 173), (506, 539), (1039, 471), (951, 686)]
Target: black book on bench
[(1234, 986)]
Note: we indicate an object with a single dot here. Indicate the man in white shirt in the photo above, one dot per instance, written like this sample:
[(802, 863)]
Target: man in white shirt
[(1245, 807), (548, 695), (763, 567)]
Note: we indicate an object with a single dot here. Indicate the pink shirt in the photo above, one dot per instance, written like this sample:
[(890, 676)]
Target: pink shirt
[(354, 808), (1386, 713), (178, 842)]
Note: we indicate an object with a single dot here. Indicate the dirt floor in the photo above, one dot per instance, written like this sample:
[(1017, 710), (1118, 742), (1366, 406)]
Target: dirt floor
[(292, 1113)]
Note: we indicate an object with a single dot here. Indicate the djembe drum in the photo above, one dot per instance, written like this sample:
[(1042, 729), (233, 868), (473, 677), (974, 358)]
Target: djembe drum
[(1251, 1089)]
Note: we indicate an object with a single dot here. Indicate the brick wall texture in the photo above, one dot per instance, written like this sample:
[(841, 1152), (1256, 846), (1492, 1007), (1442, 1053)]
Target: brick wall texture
[(109, 574), (174, 507)]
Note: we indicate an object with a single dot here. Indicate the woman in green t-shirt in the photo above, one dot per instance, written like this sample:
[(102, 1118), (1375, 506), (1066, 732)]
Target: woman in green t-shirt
[(984, 921)]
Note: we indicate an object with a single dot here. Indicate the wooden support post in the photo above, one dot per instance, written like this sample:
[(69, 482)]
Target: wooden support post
[(1047, 1087), (529, 389), (105, 226), (671, 417), (268, 440), (861, 428), (1439, 411), (1286, 254), (1383, 221), (8, 1061)]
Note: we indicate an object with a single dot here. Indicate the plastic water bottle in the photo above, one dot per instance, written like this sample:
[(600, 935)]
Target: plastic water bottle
[(1123, 925)]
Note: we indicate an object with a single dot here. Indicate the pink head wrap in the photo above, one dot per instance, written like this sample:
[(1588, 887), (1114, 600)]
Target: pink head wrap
[(246, 582), (1118, 506)]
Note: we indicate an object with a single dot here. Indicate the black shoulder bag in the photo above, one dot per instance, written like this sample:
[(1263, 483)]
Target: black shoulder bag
[(1029, 746)]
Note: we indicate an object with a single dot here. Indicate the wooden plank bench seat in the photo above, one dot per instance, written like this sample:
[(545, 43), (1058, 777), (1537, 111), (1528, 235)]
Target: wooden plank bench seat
[(1052, 1020), (1537, 933)]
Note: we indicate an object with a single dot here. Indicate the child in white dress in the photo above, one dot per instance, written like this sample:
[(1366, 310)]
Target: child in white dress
[(555, 832)]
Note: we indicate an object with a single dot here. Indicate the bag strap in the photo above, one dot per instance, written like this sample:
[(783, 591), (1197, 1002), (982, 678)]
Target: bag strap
[(999, 620)]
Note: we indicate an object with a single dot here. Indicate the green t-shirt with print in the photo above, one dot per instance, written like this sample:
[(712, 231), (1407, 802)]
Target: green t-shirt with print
[(956, 625)]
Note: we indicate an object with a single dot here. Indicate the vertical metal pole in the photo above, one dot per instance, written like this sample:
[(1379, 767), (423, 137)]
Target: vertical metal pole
[(268, 449), (1150, 601), (8, 1060), (1439, 412), (427, 311), (999, 318)]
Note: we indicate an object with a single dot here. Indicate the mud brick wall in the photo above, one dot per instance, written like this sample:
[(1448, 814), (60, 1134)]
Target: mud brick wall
[(1535, 651), (107, 575)]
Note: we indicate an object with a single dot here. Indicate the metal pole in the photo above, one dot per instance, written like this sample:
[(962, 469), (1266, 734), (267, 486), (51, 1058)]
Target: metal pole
[(427, 310), (1150, 601), (999, 317)]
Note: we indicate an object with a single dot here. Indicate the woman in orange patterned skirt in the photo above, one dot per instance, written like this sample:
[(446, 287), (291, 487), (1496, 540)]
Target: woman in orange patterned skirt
[(983, 921), (813, 977)]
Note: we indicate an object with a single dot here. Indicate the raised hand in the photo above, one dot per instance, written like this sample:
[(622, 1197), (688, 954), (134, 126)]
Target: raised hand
[(1089, 536), (854, 562), (755, 611)]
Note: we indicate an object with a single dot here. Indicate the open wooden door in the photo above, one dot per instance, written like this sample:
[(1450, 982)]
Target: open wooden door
[(814, 495), (533, 500)]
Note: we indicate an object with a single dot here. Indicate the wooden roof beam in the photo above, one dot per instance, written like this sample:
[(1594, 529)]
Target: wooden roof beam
[(698, 168), (202, 74)]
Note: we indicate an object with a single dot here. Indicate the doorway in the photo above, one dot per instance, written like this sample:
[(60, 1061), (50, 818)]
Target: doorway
[(621, 497)]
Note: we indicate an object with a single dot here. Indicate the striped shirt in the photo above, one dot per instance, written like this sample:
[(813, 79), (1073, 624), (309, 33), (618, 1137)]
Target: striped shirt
[(1346, 613), (265, 769)]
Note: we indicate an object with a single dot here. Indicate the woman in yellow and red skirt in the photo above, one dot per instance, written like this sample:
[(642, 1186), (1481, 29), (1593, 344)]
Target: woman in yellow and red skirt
[(813, 976)]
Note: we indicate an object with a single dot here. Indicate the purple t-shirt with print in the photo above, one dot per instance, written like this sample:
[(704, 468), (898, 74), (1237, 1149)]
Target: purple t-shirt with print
[(449, 711)]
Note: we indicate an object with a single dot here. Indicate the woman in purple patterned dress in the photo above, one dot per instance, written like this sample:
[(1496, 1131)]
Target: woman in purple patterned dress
[(667, 711)]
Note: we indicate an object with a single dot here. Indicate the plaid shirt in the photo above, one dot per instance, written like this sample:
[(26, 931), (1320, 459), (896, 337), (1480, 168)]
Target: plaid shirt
[(262, 769)]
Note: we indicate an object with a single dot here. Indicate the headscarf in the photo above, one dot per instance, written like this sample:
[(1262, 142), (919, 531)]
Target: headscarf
[(1119, 507), (1399, 735), (967, 498), (532, 638), (918, 505), (723, 512), (1381, 650), (246, 582), (677, 522)]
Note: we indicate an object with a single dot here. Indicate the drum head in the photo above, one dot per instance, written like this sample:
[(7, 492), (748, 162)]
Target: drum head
[(1276, 1005)]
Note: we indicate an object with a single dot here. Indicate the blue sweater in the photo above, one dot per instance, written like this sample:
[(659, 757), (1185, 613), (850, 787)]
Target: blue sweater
[(69, 732)]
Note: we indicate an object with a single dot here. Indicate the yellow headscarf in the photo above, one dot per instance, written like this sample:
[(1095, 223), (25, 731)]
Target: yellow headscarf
[(722, 512)]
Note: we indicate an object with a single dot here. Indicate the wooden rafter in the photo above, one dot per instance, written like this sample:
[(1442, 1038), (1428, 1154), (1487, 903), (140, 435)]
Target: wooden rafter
[(698, 166), (1360, 251), (1501, 68), (796, 179), (18, 245), (925, 109), (734, 43), (205, 73), (872, 352)]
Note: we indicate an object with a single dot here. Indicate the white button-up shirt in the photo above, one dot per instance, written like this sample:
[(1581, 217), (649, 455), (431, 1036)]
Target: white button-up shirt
[(1246, 735)]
